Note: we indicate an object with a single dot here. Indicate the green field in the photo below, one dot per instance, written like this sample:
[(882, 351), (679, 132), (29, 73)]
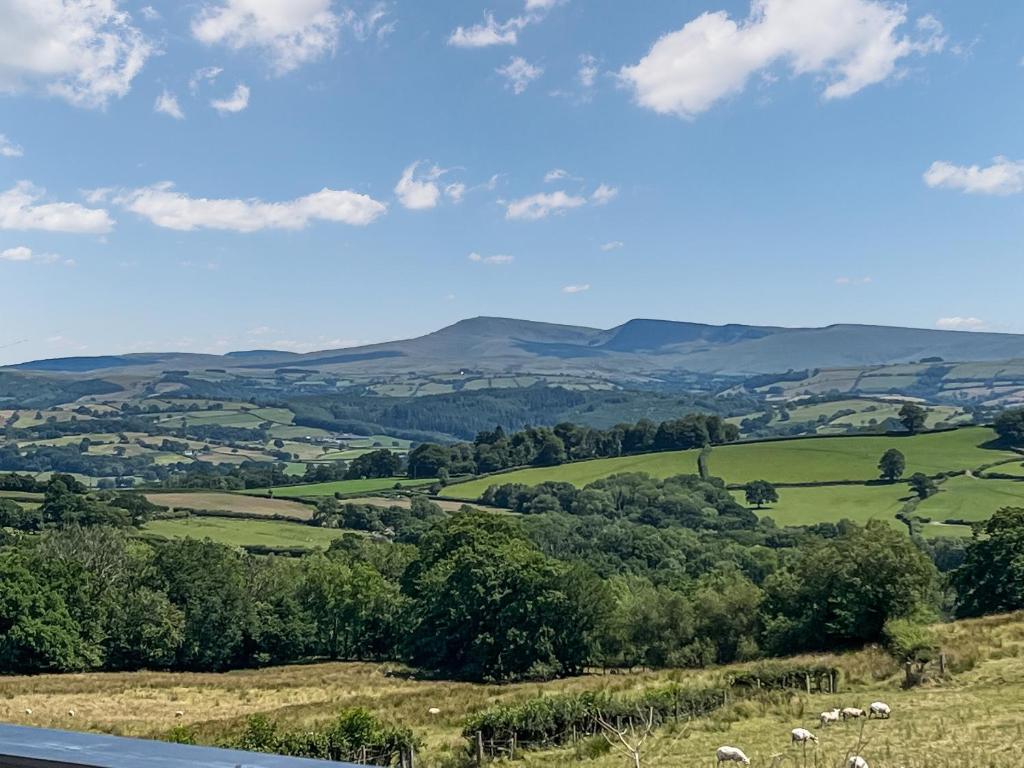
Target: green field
[(971, 499), (804, 460), (343, 487), (243, 533), (832, 503)]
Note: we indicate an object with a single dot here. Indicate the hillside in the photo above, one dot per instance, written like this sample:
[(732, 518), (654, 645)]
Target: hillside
[(637, 346), (971, 718)]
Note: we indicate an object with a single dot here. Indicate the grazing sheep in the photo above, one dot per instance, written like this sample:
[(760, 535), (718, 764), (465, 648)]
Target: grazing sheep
[(802, 736), (832, 716), (179, 713), (854, 712), (731, 755), (71, 713), (879, 709), (856, 762), (28, 711), (434, 711)]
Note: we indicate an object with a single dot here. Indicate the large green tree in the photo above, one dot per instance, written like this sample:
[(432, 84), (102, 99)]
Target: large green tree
[(892, 464), (913, 417), (991, 579), (1010, 426)]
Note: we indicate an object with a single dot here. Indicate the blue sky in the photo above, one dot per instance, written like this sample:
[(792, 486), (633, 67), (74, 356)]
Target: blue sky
[(307, 174)]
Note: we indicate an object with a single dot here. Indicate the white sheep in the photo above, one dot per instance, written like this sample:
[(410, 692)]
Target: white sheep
[(71, 713), (802, 736), (832, 716), (179, 713), (854, 712), (856, 762), (879, 709), (28, 711), (434, 711), (731, 755)]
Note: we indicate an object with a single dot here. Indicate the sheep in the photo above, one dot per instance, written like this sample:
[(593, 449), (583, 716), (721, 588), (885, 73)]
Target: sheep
[(71, 713), (802, 736), (856, 762), (832, 716), (731, 755), (179, 713), (28, 711), (434, 711), (879, 709), (854, 712)]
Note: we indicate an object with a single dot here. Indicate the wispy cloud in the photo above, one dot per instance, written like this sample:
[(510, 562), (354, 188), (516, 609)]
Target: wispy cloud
[(604, 194), (236, 102), (1002, 177), (167, 103), (961, 324), (493, 32), (24, 253), (612, 245), (495, 260), (519, 73), (847, 280), (579, 288), (8, 148)]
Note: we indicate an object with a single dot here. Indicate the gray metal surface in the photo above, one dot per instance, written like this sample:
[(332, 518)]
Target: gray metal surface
[(24, 747)]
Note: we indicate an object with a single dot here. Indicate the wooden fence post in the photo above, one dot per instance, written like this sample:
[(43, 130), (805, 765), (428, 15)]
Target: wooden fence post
[(412, 756), (807, 681), (479, 748), (942, 664), (512, 747)]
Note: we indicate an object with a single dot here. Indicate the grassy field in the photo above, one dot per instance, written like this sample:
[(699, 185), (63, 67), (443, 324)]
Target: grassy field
[(971, 499), (859, 503), (244, 533), (344, 487), (232, 502), (974, 719), (783, 461)]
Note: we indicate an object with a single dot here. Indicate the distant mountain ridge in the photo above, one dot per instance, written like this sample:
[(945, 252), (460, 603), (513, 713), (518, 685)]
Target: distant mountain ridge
[(639, 347)]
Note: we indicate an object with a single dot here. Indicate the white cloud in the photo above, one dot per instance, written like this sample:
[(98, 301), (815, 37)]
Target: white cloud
[(960, 324), (149, 13), (455, 191), (1003, 177), (556, 174), (419, 193), (167, 103), (849, 44), (604, 194), (587, 73), (490, 32), (8, 148), (519, 73), (373, 23), (236, 102), (612, 245), (846, 280), (495, 260), (23, 253), (165, 207), (541, 5), (19, 209), (580, 288), (293, 32), (84, 51), (203, 75), (543, 204)]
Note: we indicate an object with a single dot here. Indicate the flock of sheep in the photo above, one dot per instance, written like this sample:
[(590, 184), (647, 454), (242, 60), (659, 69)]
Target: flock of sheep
[(803, 736)]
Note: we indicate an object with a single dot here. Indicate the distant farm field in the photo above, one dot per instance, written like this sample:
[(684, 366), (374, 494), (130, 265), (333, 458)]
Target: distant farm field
[(244, 533), (971, 499), (803, 460), (232, 502), (832, 503), (343, 487)]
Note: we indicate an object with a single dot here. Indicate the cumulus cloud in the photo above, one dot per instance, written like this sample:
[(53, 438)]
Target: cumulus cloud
[(542, 205), (24, 253), (167, 103), (849, 44), (1002, 177), (236, 102), (8, 148), (604, 194), (84, 51), (960, 324), (612, 245), (167, 208), (496, 260), (20, 209), (419, 192), (519, 73), (292, 32), (580, 288)]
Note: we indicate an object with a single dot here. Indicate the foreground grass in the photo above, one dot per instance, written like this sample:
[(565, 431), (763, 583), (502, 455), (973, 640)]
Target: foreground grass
[(244, 533), (974, 718)]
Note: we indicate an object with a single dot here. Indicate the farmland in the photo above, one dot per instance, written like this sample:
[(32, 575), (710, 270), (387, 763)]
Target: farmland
[(343, 487), (859, 503), (970, 719), (231, 502), (243, 533)]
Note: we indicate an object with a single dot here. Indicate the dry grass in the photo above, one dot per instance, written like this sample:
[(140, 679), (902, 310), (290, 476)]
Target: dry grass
[(231, 502), (975, 718)]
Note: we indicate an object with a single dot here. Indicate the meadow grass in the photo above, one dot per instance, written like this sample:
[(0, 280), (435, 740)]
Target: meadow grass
[(832, 503), (236, 532), (344, 487), (972, 719), (971, 499), (213, 501)]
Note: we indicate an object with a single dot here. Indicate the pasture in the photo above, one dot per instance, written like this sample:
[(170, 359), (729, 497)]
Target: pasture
[(236, 532), (212, 501), (832, 503), (801, 460), (344, 487), (970, 720), (971, 499)]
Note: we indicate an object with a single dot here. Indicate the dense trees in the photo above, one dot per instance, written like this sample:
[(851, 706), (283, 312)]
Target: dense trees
[(991, 579), (922, 485), (913, 417), (380, 463), (1010, 426)]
